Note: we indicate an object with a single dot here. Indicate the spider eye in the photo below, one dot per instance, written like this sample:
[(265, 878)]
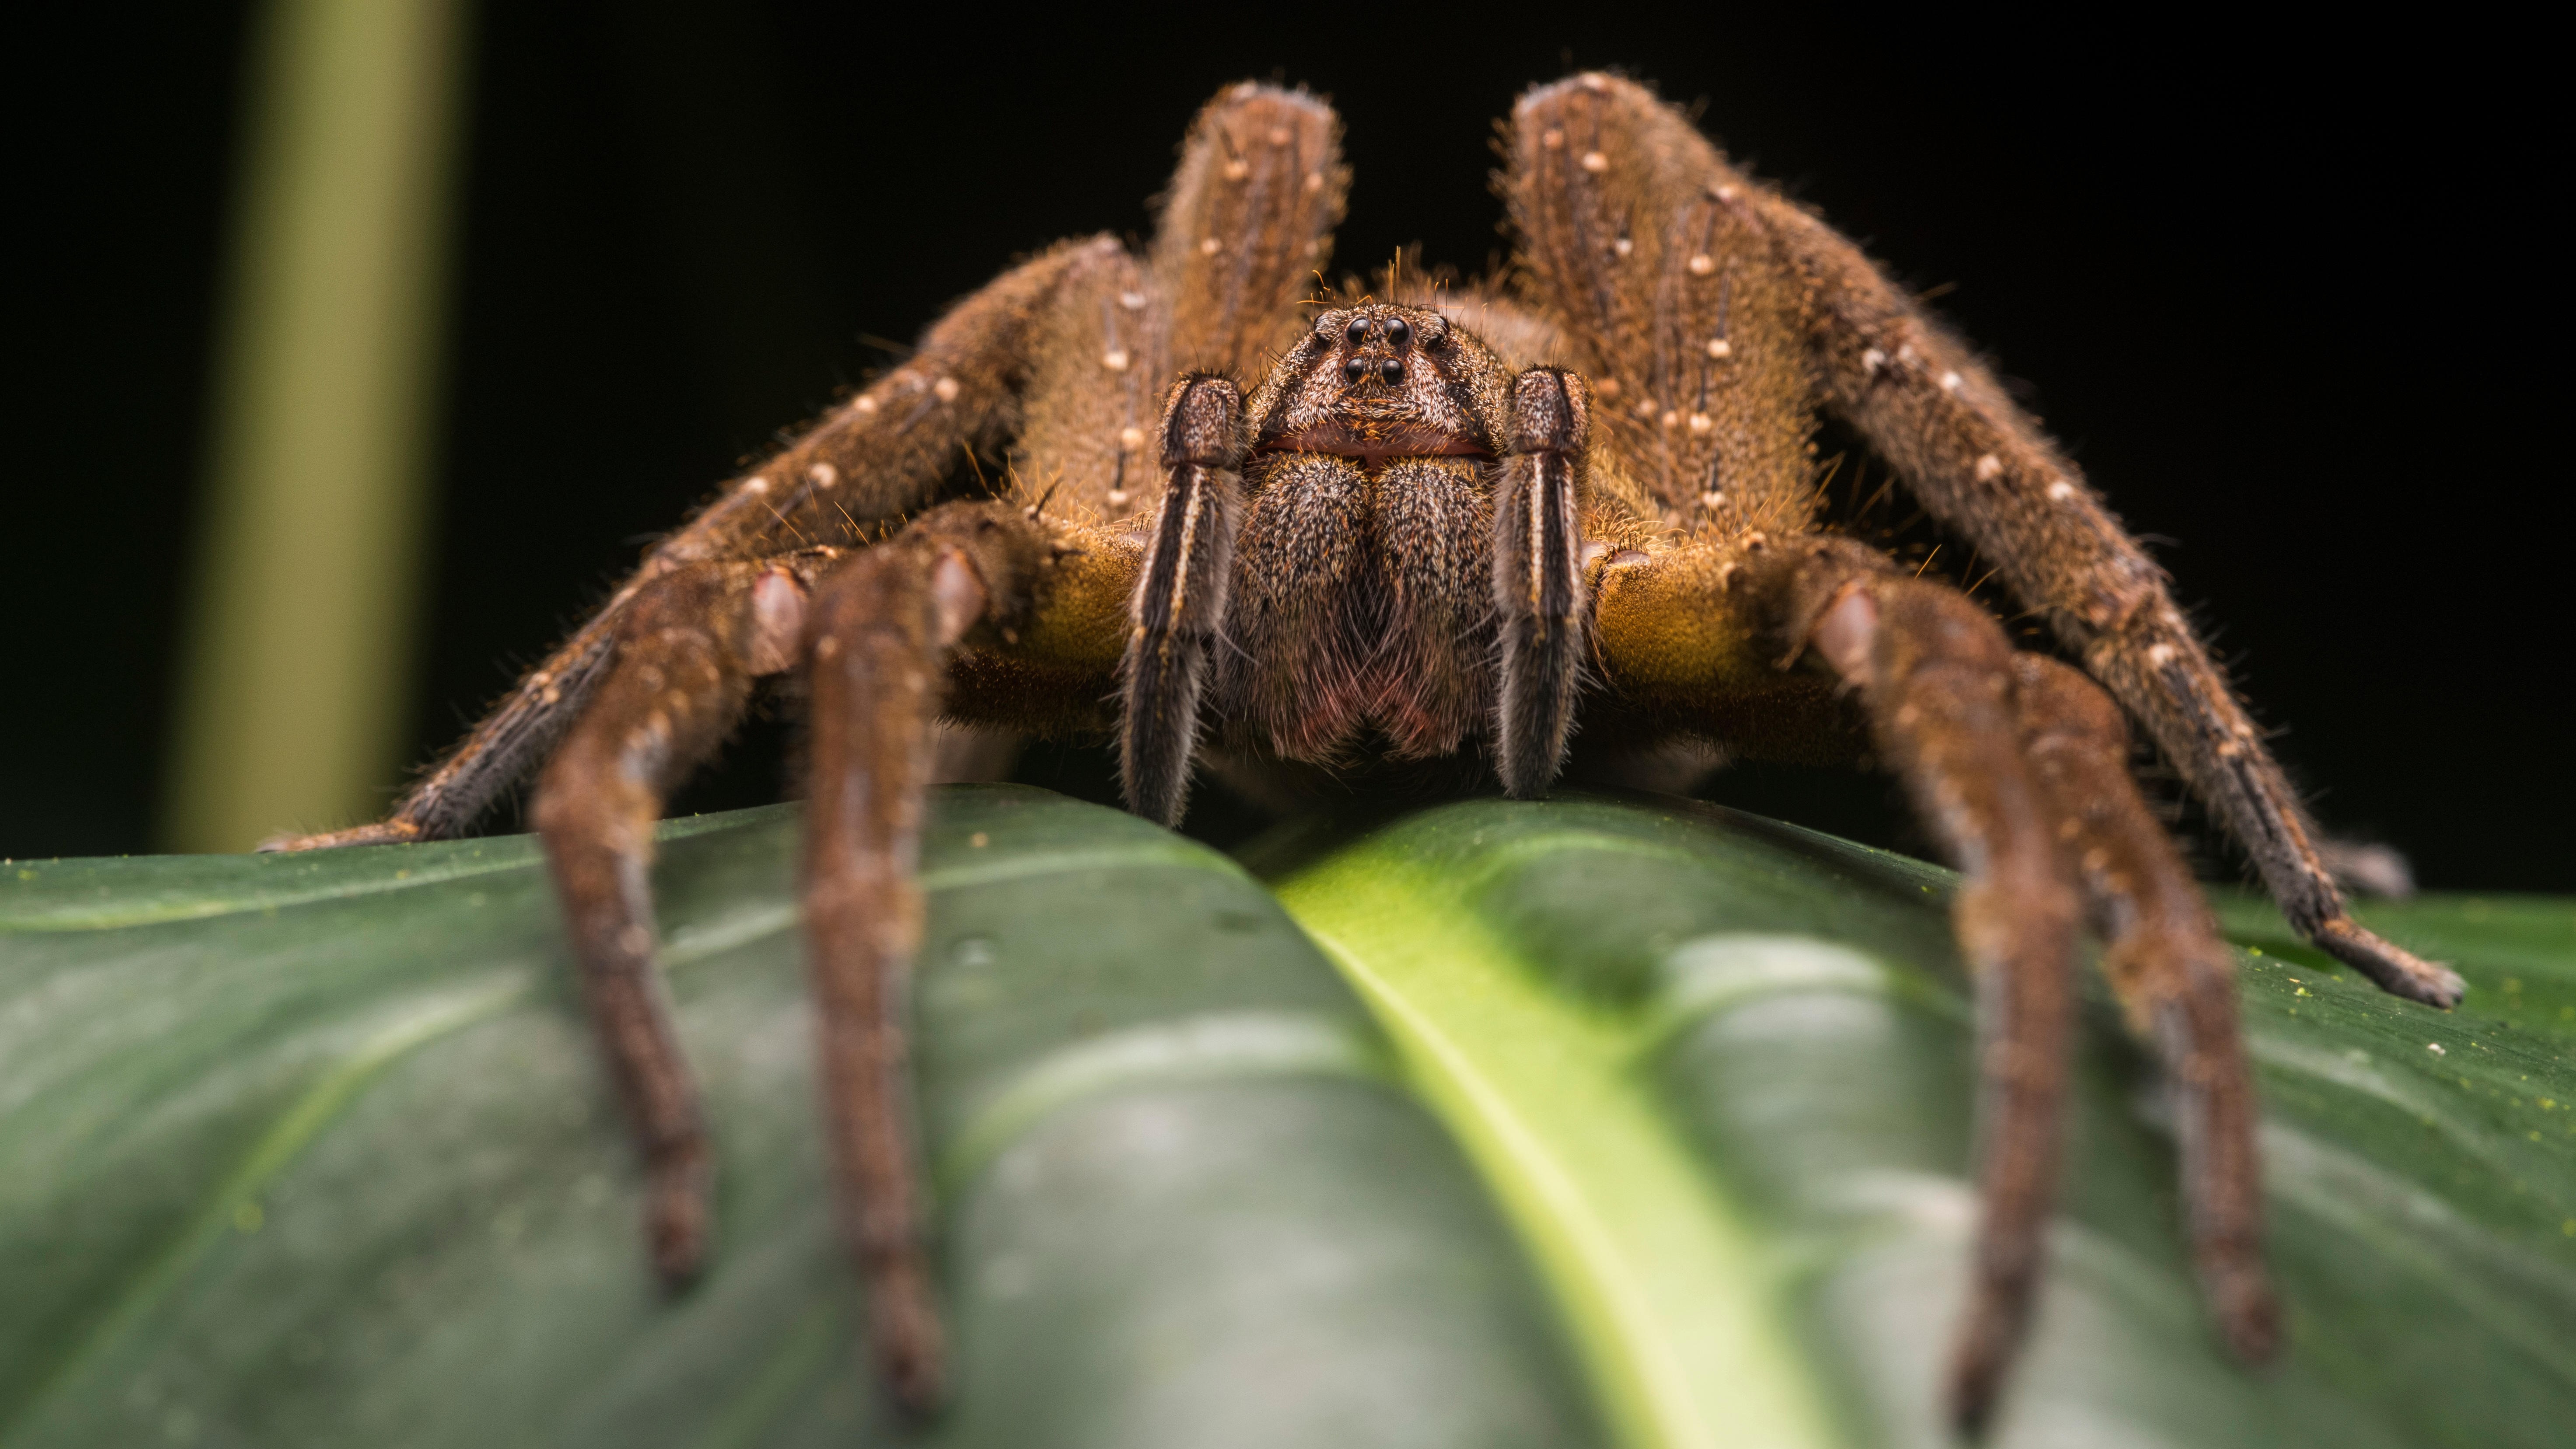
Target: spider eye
[(1358, 333), (1397, 333)]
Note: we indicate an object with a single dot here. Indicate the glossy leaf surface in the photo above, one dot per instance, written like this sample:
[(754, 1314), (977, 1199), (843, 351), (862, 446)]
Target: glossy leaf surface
[(313, 1150)]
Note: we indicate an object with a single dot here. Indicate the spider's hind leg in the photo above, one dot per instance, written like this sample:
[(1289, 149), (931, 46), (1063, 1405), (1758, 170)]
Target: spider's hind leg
[(688, 648)]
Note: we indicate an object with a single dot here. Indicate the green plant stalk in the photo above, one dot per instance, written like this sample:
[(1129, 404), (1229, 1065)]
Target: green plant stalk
[(291, 698)]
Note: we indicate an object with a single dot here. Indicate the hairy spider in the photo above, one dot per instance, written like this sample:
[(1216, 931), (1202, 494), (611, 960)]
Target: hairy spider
[(1437, 531)]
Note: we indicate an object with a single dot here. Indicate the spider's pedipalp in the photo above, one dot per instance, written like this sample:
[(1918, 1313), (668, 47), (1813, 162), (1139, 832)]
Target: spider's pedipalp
[(1179, 608), (687, 650), (1539, 595)]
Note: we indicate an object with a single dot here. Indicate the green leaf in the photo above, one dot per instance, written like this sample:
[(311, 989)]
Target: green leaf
[(1597, 1118), (1594, 992), (312, 1149)]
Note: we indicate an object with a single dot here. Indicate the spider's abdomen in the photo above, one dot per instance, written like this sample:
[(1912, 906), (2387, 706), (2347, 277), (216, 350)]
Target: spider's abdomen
[(1361, 607)]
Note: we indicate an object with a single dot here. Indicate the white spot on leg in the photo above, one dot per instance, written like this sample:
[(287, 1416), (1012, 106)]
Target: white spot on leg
[(1208, 246), (1314, 181), (1712, 499), (865, 407), (2160, 655), (1117, 497), (1988, 466), (1237, 169), (956, 596), (1702, 265), (1623, 246), (1700, 423), (777, 623), (2060, 491), (1595, 162), (1872, 360), (1726, 193), (1115, 359), (1132, 301), (945, 389), (1844, 635), (1720, 347), (755, 486), (1130, 439), (1281, 135), (823, 475), (1551, 139), (1607, 387), (1951, 381), (1646, 408)]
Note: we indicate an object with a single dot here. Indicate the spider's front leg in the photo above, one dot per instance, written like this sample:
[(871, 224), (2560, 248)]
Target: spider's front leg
[(877, 644), (687, 650), (2019, 768)]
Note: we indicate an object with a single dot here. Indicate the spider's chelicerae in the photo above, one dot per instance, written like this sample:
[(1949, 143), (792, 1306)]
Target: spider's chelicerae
[(1298, 540)]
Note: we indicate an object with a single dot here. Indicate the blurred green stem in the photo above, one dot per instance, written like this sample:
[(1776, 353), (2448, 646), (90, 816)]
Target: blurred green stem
[(301, 619)]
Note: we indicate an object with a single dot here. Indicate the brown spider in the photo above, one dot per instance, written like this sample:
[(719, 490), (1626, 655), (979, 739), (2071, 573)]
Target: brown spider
[(1437, 531)]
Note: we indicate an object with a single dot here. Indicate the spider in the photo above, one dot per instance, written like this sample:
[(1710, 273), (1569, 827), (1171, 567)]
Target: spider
[(1357, 540)]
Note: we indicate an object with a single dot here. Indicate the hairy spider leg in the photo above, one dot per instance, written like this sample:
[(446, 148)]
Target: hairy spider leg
[(1935, 676), (1935, 672), (2173, 974), (841, 482), (1669, 297), (879, 634), (687, 650)]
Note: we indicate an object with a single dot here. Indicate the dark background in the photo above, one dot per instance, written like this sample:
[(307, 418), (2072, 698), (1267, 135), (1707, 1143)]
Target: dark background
[(2284, 293)]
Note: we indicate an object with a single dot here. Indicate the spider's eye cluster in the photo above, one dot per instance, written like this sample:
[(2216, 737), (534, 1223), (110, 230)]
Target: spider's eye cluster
[(1397, 333), (1358, 333)]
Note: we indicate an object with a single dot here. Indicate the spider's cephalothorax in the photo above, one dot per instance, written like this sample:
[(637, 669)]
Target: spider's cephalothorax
[(1445, 530), (1360, 604)]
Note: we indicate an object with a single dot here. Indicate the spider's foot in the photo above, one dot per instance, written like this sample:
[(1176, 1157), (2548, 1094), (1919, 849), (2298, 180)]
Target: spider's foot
[(911, 1347), (1976, 1377), (381, 832), (2398, 971), (679, 1218), (2248, 1315)]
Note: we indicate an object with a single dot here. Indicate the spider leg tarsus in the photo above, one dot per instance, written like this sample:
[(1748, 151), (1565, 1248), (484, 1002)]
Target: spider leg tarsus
[(2393, 968)]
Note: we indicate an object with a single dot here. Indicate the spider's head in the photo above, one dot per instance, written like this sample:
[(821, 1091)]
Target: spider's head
[(1379, 381)]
